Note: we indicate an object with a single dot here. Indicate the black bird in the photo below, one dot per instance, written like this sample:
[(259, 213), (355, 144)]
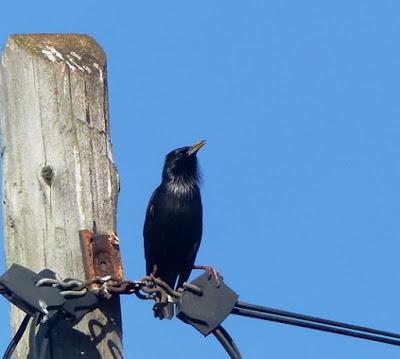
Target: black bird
[(173, 225)]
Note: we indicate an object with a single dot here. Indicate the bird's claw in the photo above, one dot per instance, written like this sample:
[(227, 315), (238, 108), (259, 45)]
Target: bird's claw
[(114, 240), (212, 271)]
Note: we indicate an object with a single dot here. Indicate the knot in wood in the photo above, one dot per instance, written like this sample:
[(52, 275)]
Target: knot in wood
[(48, 175)]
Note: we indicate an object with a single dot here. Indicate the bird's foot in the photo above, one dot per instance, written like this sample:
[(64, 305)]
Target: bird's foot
[(114, 240), (212, 271)]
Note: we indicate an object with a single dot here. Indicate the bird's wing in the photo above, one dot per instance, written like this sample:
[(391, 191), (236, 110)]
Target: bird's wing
[(148, 224), (196, 229), (189, 263)]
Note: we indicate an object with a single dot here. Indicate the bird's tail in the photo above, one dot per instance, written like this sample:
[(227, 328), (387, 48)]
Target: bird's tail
[(163, 310)]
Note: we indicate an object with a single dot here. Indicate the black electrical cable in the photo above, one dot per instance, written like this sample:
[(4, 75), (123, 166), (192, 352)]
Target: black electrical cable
[(304, 324), (227, 335), (308, 318), (17, 337), (226, 341), (32, 336)]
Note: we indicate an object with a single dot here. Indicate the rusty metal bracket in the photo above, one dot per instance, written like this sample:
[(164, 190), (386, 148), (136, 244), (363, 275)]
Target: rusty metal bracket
[(101, 256)]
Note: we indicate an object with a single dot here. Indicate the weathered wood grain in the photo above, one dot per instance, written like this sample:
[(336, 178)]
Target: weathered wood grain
[(58, 173)]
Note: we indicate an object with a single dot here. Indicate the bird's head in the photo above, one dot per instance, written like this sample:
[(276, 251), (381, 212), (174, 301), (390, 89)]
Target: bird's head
[(181, 165)]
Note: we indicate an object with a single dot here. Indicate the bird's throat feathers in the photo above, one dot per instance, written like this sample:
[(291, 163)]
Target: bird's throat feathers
[(182, 186)]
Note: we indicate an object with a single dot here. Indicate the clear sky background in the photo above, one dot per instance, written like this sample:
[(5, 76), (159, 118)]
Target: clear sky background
[(299, 104)]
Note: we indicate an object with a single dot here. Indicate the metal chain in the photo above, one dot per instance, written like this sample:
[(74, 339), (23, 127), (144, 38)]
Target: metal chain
[(147, 287)]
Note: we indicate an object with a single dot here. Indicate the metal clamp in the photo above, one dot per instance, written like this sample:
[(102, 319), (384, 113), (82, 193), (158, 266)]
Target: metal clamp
[(101, 257)]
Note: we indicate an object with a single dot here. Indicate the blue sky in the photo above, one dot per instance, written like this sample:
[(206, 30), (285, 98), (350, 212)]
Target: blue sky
[(299, 104)]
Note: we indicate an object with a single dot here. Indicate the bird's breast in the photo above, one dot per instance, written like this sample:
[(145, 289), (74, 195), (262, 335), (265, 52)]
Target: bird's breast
[(180, 204)]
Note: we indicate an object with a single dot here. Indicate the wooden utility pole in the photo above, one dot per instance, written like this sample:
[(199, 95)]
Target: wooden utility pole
[(58, 173)]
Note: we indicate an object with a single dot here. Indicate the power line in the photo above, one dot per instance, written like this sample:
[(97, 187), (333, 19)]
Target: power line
[(283, 313), (304, 321), (17, 337)]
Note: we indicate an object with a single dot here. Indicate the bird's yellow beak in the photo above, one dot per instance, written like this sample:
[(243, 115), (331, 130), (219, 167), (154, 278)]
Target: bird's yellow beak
[(196, 147)]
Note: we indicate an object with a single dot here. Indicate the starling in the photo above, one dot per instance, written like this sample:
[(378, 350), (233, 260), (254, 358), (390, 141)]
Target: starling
[(173, 225)]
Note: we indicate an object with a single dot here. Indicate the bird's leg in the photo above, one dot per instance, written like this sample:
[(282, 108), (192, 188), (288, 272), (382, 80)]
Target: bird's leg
[(152, 275), (155, 269), (212, 271)]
